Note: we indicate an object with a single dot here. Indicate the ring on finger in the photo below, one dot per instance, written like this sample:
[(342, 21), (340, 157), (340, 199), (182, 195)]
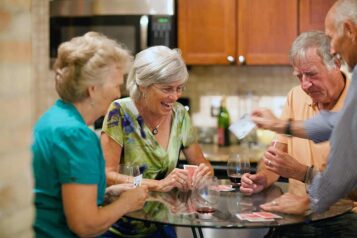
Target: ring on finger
[(275, 203), (269, 162)]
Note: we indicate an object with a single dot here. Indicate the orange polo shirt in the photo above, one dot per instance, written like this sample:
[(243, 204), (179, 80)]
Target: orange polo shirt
[(299, 106)]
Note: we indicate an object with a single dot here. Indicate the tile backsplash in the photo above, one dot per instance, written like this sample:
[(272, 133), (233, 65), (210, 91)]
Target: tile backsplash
[(245, 87)]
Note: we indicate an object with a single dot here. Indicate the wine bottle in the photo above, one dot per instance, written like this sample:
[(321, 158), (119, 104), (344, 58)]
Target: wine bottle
[(223, 124)]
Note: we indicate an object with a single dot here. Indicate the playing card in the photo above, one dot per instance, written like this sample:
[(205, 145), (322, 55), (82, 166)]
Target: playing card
[(222, 188), (259, 219), (191, 170), (268, 215), (137, 180), (242, 127), (246, 216)]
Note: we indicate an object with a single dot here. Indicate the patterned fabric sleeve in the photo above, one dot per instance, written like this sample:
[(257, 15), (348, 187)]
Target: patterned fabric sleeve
[(112, 124), (188, 132)]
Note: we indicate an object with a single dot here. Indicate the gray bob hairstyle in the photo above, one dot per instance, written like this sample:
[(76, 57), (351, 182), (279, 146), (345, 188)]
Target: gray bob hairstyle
[(308, 40), (155, 65)]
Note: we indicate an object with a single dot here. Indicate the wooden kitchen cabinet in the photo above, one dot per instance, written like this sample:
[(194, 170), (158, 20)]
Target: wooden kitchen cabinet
[(312, 14), (218, 32), (266, 30), (207, 31), (252, 32)]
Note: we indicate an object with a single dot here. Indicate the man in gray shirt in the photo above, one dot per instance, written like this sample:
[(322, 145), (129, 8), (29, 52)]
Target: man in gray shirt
[(340, 176)]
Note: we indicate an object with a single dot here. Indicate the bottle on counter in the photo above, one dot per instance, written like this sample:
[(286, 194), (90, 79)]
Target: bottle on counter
[(223, 124)]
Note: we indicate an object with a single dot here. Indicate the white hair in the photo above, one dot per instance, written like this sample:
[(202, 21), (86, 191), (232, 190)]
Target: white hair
[(344, 10), (312, 40), (155, 65)]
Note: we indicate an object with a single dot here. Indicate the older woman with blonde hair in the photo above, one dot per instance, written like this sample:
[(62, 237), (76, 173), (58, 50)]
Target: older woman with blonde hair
[(68, 163), (151, 128)]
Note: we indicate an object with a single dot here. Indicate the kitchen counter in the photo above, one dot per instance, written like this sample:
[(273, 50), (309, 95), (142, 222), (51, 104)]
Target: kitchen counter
[(218, 156), (214, 153)]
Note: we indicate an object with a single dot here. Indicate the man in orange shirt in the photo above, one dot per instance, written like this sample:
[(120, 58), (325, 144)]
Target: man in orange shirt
[(322, 87)]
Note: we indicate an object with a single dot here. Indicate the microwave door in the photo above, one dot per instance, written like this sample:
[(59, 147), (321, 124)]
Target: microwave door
[(129, 30)]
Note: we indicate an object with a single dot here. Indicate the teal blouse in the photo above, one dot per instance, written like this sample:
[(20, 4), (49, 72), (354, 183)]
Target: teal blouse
[(65, 151)]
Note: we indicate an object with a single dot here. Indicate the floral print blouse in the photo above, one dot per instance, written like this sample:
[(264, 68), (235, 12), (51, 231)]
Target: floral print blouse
[(124, 124)]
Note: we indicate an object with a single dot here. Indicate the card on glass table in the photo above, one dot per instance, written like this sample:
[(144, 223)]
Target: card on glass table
[(222, 188), (191, 170), (242, 127), (258, 216), (268, 215)]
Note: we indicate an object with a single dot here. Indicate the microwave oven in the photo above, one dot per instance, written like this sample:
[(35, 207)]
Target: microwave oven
[(137, 24)]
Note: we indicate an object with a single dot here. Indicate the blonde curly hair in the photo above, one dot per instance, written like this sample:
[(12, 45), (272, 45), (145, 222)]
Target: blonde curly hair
[(84, 61)]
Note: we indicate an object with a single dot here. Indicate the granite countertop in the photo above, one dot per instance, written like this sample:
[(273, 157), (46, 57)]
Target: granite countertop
[(214, 153)]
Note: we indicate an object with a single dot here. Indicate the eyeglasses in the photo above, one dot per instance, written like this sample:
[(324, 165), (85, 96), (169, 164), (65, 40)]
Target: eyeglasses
[(170, 90)]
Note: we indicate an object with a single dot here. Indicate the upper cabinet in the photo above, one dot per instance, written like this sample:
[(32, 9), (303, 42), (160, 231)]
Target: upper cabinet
[(252, 32), (266, 30), (207, 31), (312, 14)]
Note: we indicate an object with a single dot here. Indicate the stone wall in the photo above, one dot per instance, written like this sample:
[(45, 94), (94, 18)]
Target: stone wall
[(18, 103)]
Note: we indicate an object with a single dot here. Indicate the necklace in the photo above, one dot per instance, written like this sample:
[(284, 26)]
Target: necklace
[(156, 128)]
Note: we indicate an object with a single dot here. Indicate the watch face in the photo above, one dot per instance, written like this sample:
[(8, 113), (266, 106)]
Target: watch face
[(242, 127)]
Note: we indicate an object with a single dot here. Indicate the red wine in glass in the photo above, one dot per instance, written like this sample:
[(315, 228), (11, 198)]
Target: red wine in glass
[(237, 165), (203, 210), (235, 179)]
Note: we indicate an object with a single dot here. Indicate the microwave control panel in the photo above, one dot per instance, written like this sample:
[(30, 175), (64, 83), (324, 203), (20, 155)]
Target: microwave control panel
[(162, 31)]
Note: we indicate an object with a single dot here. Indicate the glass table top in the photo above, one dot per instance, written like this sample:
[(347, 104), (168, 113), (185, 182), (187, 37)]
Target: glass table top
[(178, 208)]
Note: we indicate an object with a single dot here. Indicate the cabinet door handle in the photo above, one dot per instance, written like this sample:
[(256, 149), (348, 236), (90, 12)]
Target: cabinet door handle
[(241, 59), (144, 22), (230, 59)]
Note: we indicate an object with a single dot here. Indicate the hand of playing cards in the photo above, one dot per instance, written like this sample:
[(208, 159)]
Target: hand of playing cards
[(258, 216)]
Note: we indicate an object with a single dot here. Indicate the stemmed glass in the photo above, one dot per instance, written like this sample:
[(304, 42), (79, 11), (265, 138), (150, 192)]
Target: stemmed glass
[(237, 165), (129, 170), (205, 197)]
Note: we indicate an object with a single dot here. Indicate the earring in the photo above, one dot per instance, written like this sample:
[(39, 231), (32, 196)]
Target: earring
[(92, 104)]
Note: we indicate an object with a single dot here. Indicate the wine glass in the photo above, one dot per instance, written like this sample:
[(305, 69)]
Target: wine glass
[(205, 197), (237, 165), (129, 170)]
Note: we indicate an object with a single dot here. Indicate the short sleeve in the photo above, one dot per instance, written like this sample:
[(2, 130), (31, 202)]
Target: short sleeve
[(188, 132), (78, 156), (112, 124)]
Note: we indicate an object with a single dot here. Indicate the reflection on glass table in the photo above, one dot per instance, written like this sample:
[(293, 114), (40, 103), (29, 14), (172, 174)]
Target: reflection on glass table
[(180, 209)]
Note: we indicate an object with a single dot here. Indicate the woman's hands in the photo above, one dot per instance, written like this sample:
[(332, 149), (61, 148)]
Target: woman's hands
[(200, 173), (135, 197), (177, 178), (116, 190)]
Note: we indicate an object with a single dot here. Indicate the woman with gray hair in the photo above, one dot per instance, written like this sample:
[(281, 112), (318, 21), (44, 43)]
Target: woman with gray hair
[(151, 127), (68, 163)]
